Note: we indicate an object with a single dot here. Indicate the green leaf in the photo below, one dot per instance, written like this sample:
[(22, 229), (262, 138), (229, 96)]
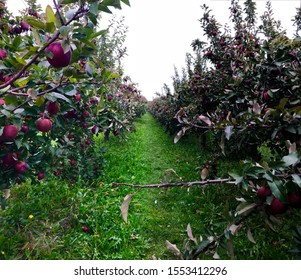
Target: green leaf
[(64, 30), (114, 3), (127, 2), (22, 81), (50, 27), (99, 33), (50, 16), (290, 159), (297, 179), (94, 8), (238, 178), (104, 9), (17, 41), (35, 23), (275, 185)]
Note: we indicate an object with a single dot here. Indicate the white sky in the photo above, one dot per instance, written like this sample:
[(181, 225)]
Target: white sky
[(161, 32)]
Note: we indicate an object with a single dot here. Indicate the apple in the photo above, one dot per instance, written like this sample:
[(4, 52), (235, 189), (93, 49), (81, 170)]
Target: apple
[(77, 97), (17, 29), (44, 125), (53, 107), (2, 101), (10, 132), (8, 160), (85, 228), (277, 207), (59, 58), (3, 54), (25, 26), (266, 96), (20, 167), (41, 176), (24, 128), (263, 192), (294, 199)]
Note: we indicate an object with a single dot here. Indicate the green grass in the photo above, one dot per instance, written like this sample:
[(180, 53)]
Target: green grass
[(60, 210)]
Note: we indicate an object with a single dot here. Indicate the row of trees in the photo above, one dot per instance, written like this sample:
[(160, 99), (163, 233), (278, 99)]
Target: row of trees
[(242, 87), (61, 83)]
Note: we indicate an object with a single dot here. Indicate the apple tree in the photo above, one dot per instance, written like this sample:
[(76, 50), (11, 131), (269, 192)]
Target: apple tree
[(55, 89)]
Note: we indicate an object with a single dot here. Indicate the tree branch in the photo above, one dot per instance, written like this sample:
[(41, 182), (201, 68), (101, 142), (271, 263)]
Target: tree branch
[(170, 185), (58, 12)]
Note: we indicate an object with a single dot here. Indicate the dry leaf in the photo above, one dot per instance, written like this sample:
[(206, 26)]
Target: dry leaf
[(174, 249), (190, 234), (125, 207), (250, 236), (204, 173), (205, 119)]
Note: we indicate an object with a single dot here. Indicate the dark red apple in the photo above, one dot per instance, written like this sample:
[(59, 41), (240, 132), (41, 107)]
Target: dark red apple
[(20, 167), (3, 54), (266, 96), (85, 228), (58, 58), (41, 176), (10, 132), (276, 207), (77, 97), (263, 192), (8, 160), (24, 128), (17, 29), (44, 125), (53, 107), (294, 199)]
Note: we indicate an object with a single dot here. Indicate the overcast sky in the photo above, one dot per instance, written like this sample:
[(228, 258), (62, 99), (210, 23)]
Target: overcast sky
[(161, 32)]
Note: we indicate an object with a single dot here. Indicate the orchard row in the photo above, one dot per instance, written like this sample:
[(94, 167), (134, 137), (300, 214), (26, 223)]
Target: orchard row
[(57, 93), (242, 87)]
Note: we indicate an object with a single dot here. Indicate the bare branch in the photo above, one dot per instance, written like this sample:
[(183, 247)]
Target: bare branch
[(180, 184)]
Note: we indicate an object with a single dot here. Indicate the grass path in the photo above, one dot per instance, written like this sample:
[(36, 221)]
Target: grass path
[(59, 220), (143, 159)]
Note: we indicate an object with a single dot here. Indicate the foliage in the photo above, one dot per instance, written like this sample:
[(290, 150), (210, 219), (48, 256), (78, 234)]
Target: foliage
[(244, 90), (51, 108)]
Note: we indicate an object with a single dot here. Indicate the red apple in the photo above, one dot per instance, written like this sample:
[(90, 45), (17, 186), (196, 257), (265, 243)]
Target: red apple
[(41, 176), (85, 228), (294, 199), (77, 97), (266, 96), (3, 54), (8, 160), (44, 125), (277, 207), (53, 107), (25, 26), (263, 192), (2, 101), (10, 132), (58, 57), (20, 167), (24, 128)]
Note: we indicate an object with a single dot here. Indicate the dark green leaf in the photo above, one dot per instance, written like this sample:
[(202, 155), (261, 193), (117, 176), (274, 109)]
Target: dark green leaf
[(127, 2), (114, 3)]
